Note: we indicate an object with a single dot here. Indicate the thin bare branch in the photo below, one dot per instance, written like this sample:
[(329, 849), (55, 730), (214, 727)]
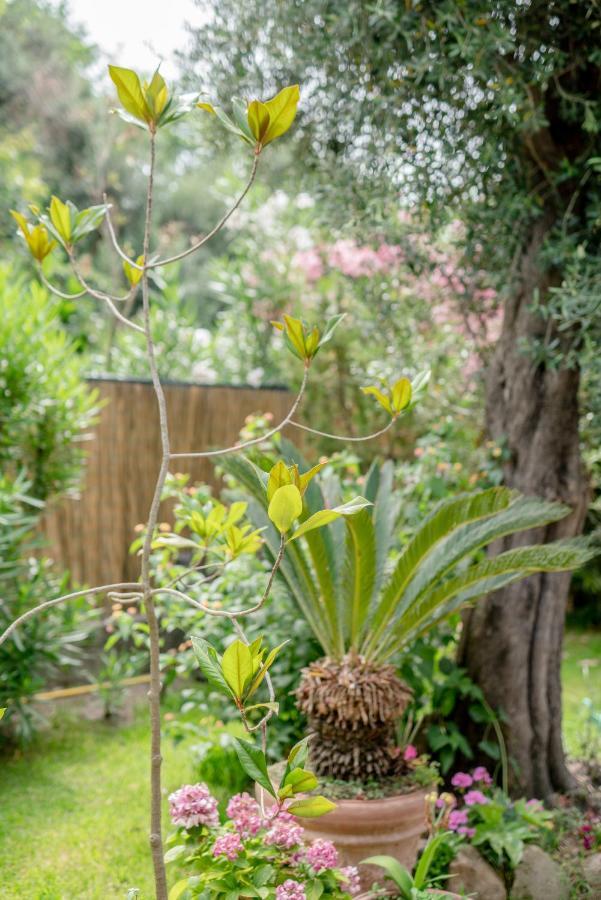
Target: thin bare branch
[(339, 437), (55, 290), (48, 604), (171, 259), (205, 454)]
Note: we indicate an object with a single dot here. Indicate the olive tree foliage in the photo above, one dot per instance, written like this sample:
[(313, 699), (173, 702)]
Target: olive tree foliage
[(489, 111)]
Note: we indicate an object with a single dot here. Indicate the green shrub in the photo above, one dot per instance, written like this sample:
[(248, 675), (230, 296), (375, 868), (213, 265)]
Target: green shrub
[(45, 405), (44, 646)]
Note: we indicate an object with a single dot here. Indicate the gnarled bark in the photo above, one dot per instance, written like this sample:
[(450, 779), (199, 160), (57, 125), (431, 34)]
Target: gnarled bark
[(512, 641)]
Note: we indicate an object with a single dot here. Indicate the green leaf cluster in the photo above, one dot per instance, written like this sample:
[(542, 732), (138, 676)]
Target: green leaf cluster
[(341, 579), (239, 672), (259, 122), (148, 104), (303, 343)]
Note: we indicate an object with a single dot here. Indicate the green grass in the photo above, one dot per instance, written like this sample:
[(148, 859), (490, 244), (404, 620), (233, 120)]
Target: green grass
[(74, 813), (74, 809), (581, 677)]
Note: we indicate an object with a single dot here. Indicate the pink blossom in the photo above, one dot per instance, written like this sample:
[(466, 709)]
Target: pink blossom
[(461, 780), (472, 798), (193, 804), (466, 832), (322, 855), (351, 882), (409, 753), (481, 774), (311, 263), (284, 832), (245, 814), (290, 890), (456, 818), (229, 845)]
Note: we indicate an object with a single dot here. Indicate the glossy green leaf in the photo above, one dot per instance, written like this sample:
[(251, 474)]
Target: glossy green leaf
[(210, 665), (325, 516), (311, 807), (237, 666), (301, 781), (252, 759)]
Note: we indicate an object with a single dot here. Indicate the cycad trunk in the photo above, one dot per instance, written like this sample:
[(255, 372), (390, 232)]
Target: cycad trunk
[(512, 640), (352, 707)]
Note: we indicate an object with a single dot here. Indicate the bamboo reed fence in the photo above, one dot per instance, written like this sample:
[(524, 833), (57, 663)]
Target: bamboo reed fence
[(91, 535)]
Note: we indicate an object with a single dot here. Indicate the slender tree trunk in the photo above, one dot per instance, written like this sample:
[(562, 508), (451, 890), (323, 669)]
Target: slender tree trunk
[(512, 641)]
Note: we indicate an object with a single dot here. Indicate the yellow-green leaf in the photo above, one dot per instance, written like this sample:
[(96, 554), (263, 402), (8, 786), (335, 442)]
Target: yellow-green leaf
[(208, 107), (285, 506), (134, 276), (279, 475), (301, 780), (380, 397), (130, 93), (306, 477), (2, 711), (237, 666), (296, 334), (311, 807), (258, 120), (401, 394), (282, 112), (157, 95), (60, 216)]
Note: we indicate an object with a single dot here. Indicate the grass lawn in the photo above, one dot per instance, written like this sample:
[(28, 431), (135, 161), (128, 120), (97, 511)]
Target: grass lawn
[(74, 809), (581, 670), (73, 813)]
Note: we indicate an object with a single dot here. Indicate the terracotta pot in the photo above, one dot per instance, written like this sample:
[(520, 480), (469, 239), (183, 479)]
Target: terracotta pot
[(360, 828)]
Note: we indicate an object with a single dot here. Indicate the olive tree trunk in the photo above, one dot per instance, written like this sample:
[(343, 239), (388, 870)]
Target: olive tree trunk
[(512, 640)]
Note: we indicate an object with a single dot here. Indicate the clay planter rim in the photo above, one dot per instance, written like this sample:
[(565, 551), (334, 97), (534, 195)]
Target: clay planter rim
[(385, 807)]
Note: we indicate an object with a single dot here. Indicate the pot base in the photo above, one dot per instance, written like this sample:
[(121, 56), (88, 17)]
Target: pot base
[(391, 826)]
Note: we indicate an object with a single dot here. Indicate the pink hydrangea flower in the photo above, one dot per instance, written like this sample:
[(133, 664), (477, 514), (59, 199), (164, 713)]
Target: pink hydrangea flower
[(481, 775), (409, 753), (457, 818), (322, 855), (461, 780), (284, 832), (466, 832), (229, 845), (193, 804), (244, 812), (474, 797), (351, 883), (290, 890)]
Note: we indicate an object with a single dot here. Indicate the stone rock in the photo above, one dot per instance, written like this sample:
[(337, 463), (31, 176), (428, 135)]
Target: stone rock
[(473, 875), (591, 869), (538, 877)]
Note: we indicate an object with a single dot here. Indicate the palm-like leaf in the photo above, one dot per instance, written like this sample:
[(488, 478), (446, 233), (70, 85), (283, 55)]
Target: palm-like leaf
[(342, 587)]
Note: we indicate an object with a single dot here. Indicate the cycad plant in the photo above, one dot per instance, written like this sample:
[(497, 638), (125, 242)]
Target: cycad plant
[(365, 604)]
